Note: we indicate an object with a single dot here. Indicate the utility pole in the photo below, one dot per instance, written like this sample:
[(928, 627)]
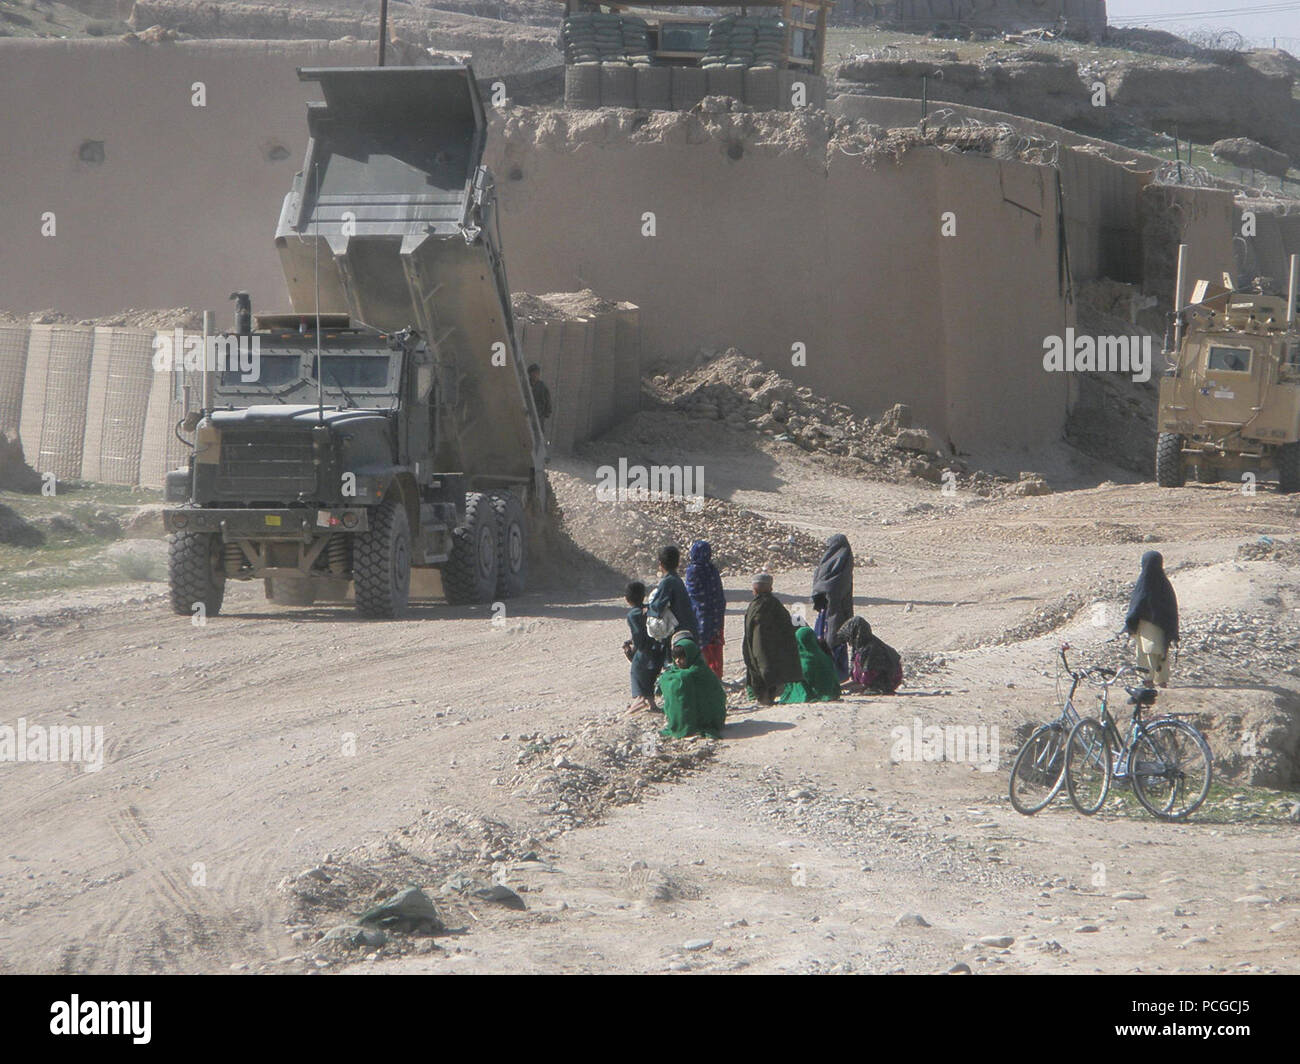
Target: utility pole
[(383, 29)]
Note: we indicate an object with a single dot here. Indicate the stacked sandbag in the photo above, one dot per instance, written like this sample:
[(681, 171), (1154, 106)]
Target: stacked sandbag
[(579, 37), (636, 40), (769, 41), (719, 42), (609, 38), (741, 42)]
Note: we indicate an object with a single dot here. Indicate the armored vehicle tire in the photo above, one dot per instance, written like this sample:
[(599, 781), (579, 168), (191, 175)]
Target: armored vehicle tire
[(512, 544), (1207, 474), (285, 591), (195, 572), (381, 563), (470, 574), (1169, 460), (1288, 468)]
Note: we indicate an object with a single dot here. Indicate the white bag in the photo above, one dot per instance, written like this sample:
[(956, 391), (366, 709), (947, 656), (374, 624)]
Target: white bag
[(661, 627)]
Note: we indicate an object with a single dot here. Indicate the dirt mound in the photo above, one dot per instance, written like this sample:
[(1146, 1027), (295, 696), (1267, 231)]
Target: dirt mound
[(743, 393), (626, 536), (131, 318), (15, 473), (1267, 549), (560, 306)]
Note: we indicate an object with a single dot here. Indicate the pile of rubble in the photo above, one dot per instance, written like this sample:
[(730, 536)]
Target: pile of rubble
[(742, 392), (626, 536), (1268, 549), (131, 318)]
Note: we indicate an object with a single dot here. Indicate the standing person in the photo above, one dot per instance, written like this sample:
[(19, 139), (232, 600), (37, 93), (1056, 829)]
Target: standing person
[(541, 395), (645, 654), (877, 667), (771, 653), (671, 595), (1153, 617), (832, 591), (709, 601), (820, 682), (694, 700)]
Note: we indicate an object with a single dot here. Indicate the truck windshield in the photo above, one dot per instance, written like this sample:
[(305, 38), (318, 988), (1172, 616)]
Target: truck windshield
[(272, 371), (1229, 359), (354, 371)]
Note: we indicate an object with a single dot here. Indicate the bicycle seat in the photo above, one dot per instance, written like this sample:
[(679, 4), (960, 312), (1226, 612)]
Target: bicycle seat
[(1141, 696)]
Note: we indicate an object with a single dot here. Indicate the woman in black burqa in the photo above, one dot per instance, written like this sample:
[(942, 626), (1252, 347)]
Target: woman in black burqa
[(1152, 617), (877, 667), (832, 591)]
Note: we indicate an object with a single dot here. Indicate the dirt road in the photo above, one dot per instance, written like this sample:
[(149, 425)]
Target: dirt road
[(272, 741)]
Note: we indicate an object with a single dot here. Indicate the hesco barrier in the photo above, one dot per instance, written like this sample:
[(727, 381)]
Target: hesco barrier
[(591, 85), (89, 405), (592, 367)]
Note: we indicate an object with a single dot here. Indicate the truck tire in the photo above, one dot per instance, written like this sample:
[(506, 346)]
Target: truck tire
[(1288, 468), (381, 563), (512, 544), (195, 572), (470, 574), (286, 591), (1169, 460)]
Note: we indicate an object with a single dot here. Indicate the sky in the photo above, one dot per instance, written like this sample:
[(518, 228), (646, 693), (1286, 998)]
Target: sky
[(1259, 22)]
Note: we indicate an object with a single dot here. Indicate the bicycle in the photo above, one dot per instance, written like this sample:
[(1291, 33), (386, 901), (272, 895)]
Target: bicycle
[(1039, 769), (1166, 760)]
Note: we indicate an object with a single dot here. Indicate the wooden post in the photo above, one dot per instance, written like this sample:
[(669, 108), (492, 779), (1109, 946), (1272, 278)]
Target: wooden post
[(383, 29)]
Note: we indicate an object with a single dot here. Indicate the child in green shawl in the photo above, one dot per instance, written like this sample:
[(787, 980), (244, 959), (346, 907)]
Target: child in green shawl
[(821, 681), (693, 697)]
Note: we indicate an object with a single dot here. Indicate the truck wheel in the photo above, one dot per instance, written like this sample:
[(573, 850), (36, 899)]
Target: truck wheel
[(195, 572), (1169, 460), (512, 544), (1288, 468), (381, 563), (470, 574), (285, 591)]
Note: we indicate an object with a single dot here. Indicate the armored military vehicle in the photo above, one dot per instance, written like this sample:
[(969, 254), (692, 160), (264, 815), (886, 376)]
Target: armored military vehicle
[(396, 428), (1230, 401)]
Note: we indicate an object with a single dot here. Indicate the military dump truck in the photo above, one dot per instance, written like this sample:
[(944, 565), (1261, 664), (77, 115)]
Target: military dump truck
[(390, 424), (1230, 401)]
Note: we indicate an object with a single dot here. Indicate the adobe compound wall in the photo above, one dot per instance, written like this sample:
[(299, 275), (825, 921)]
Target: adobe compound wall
[(783, 235)]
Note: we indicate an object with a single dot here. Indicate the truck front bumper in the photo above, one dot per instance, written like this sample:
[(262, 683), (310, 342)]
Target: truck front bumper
[(242, 523)]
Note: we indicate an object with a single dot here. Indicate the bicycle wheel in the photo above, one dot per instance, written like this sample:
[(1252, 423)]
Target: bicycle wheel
[(1087, 766), (1171, 769), (1039, 770)]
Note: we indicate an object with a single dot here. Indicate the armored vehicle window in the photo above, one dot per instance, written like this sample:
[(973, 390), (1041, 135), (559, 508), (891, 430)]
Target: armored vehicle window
[(272, 371), (1229, 359), (355, 371)]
